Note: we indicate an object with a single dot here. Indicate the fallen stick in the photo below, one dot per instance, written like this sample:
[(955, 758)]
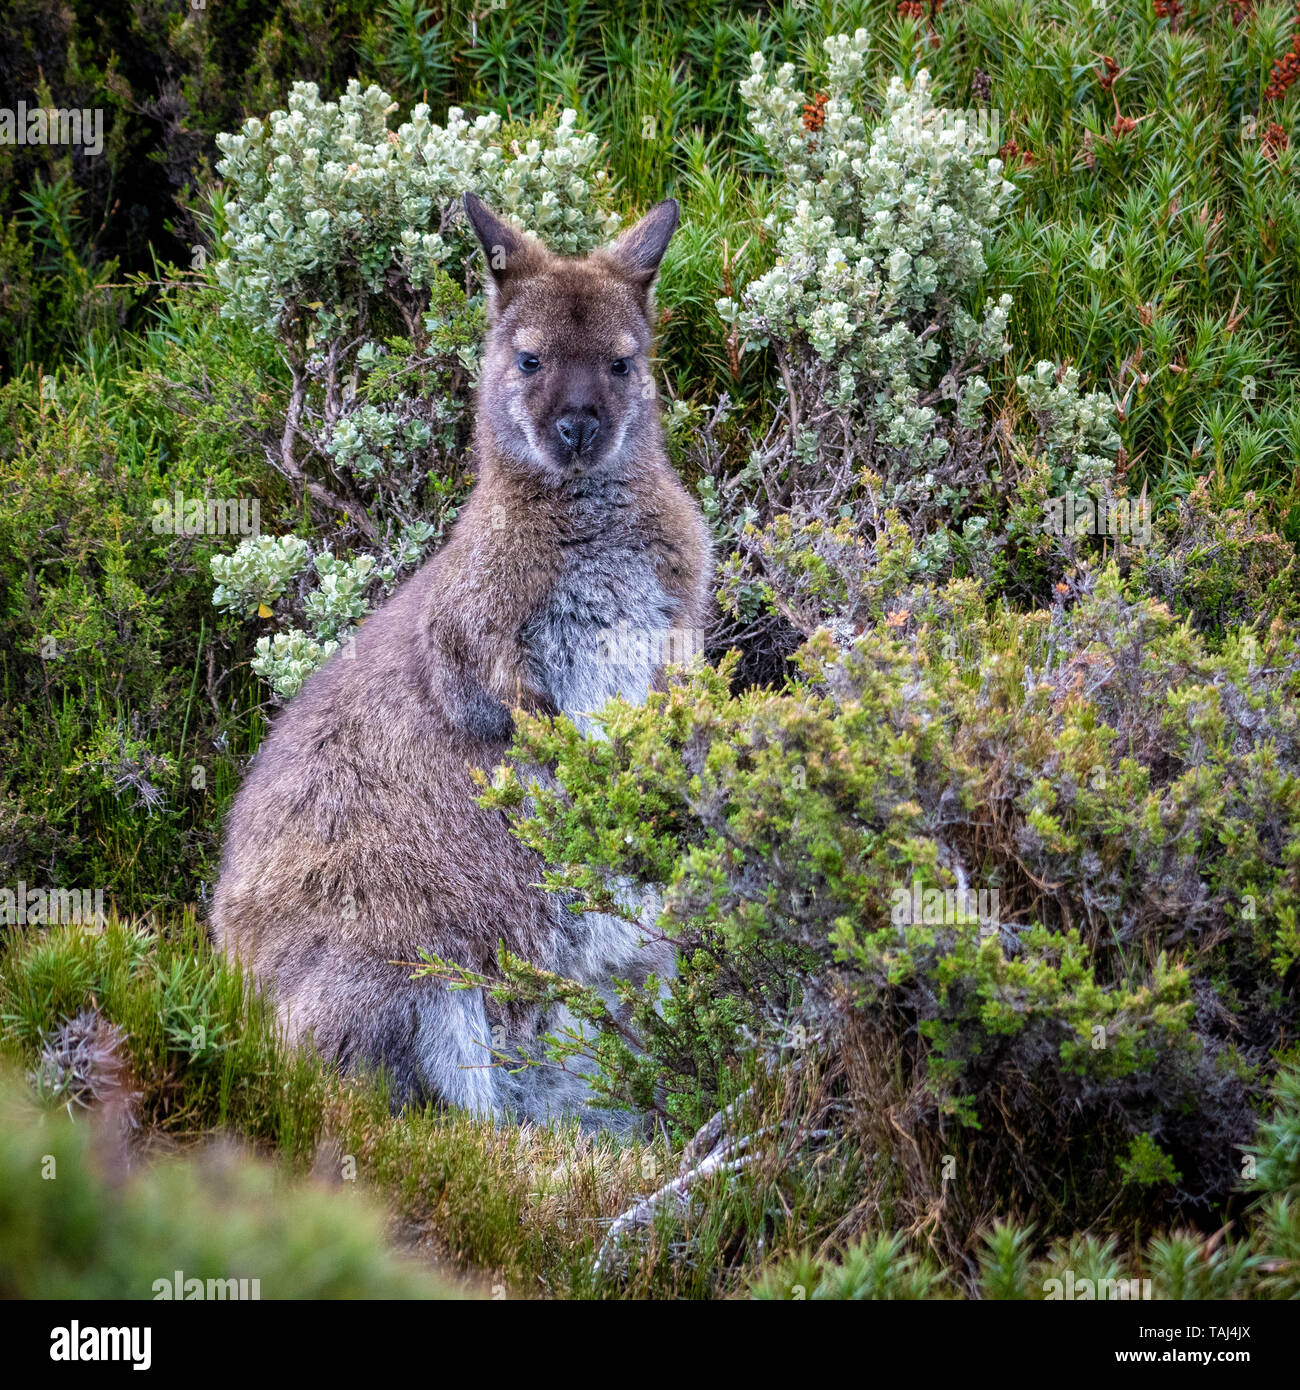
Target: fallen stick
[(675, 1195)]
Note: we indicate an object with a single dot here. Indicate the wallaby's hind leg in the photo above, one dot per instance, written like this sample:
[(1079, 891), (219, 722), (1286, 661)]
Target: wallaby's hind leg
[(434, 1042), (548, 1096), (454, 1049)]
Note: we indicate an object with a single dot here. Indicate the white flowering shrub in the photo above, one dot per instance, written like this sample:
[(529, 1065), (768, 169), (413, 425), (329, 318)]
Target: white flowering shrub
[(334, 208), (876, 231), (257, 573), (285, 659), (347, 243), (268, 577), (882, 470)]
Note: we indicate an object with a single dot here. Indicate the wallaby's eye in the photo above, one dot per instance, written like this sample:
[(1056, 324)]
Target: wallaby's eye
[(620, 368), (528, 362)]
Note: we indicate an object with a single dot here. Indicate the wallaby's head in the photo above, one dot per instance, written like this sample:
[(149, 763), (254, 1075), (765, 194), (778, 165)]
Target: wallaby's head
[(565, 388)]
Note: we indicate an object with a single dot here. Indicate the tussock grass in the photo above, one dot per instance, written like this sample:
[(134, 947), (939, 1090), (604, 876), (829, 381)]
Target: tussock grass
[(522, 1207)]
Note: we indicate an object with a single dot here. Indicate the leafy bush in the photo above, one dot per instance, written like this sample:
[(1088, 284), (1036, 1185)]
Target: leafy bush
[(1258, 1261), (1223, 566), (109, 727), (882, 471), (256, 575), (1128, 798)]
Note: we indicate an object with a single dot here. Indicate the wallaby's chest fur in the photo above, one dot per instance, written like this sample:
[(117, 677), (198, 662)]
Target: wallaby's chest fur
[(587, 634), (356, 840)]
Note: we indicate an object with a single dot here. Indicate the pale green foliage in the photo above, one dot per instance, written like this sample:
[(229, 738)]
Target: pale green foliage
[(340, 599), (285, 660), (881, 473), (327, 190), (257, 575), (257, 572), (1076, 429), (1069, 421), (340, 225), (370, 440)]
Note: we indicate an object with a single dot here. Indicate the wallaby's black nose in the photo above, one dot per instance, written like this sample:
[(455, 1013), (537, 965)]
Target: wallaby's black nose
[(578, 428)]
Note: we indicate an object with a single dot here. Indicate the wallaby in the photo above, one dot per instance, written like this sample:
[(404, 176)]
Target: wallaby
[(356, 838)]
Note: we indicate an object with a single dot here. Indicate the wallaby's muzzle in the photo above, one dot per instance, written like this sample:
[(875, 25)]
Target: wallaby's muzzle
[(578, 430)]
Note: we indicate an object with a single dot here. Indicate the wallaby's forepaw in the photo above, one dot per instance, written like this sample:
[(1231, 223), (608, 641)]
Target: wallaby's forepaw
[(482, 718)]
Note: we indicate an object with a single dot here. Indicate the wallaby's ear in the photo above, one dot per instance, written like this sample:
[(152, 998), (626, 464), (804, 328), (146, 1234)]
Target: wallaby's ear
[(510, 254), (639, 250)]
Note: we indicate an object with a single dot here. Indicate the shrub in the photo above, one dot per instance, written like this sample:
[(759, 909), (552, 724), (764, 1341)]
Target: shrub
[(1257, 1260), (1222, 566), (110, 732), (885, 468), (1124, 797)]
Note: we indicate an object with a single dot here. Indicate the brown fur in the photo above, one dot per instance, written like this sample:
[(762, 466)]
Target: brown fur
[(356, 840)]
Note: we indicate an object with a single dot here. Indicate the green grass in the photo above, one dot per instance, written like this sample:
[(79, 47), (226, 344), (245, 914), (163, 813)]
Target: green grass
[(522, 1206), (78, 1220)]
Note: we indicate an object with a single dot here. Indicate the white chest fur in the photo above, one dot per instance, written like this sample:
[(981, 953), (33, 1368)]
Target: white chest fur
[(605, 628)]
